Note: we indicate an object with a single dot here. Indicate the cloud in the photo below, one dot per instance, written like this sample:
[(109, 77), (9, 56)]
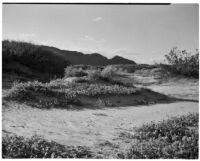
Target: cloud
[(97, 19), (91, 39)]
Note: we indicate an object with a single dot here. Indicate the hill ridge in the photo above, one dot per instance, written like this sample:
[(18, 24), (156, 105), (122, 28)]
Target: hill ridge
[(18, 56)]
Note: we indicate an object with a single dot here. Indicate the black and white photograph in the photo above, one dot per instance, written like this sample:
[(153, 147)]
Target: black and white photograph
[(100, 80)]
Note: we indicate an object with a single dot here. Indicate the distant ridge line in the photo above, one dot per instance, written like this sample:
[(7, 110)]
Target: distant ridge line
[(53, 53)]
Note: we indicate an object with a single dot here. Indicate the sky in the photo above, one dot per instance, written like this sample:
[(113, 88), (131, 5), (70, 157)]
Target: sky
[(143, 33)]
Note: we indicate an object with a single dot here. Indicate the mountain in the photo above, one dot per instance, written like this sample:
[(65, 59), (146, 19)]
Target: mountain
[(26, 58), (120, 60), (75, 57)]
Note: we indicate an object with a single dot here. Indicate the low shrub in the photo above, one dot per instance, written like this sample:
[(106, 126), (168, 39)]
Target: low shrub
[(94, 75), (70, 71), (173, 138), (109, 72), (37, 147)]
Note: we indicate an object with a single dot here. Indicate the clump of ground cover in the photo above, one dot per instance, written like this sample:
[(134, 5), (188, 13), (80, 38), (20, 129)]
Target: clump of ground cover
[(36, 147), (109, 72), (59, 93), (169, 139), (72, 88), (41, 95)]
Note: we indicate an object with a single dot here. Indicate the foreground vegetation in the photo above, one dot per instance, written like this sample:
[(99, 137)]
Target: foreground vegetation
[(37, 147), (170, 139)]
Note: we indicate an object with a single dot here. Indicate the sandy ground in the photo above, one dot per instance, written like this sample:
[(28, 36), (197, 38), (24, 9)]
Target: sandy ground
[(179, 89), (87, 127)]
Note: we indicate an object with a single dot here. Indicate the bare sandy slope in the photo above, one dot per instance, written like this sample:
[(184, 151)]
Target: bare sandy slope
[(178, 90), (85, 127), (179, 87)]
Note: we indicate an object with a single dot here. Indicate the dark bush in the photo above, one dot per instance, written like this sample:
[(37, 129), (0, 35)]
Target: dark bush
[(182, 62)]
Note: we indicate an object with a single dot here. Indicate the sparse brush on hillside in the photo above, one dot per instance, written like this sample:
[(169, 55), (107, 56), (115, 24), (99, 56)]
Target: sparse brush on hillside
[(33, 58), (176, 138), (37, 147), (182, 62)]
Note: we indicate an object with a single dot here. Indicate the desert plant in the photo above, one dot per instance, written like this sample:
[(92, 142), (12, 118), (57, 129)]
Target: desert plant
[(94, 75), (109, 72), (182, 62), (176, 137), (37, 147), (71, 71)]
